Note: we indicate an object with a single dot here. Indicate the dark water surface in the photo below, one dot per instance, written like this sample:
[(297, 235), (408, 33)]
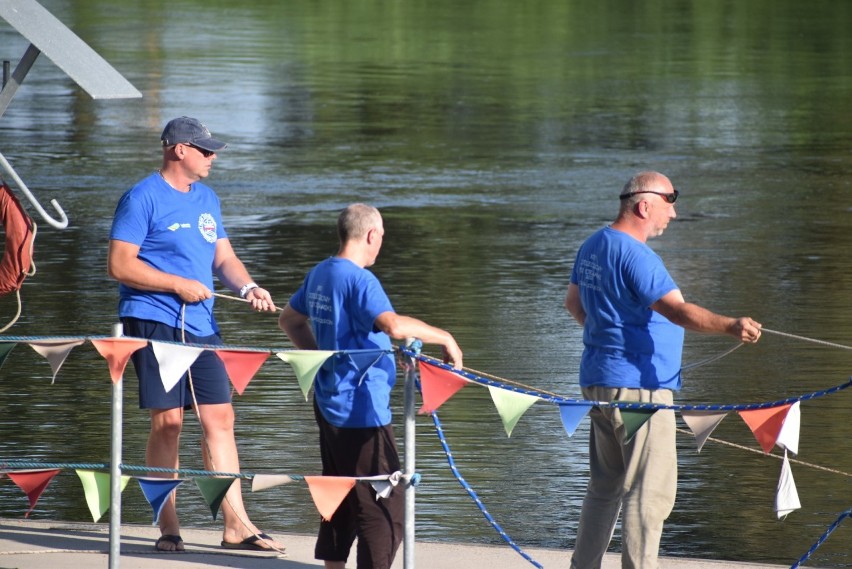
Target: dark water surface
[(494, 136)]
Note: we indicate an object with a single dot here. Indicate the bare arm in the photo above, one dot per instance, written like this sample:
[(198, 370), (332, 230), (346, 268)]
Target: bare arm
[(233, 274), (698, 319), (124, 265), (298, 329), (400, 327), (573, 304)]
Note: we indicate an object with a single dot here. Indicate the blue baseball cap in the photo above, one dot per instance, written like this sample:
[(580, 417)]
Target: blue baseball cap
[(188, 130)]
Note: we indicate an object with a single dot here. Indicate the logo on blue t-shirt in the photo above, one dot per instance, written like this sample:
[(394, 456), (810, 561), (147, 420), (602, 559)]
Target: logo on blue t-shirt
[(207, 227)]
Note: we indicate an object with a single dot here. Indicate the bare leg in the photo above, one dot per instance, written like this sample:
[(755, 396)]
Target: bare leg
[(220, 454), (335, 565), (162, 451)]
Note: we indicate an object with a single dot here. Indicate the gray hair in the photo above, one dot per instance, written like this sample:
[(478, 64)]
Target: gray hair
[(356, 220), (641, 182)]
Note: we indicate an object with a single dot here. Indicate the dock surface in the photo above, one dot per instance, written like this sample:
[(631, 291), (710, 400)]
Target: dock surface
[(57, 545)]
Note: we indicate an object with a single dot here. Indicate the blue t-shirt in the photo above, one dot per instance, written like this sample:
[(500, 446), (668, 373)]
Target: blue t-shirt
[(626, 343), (176, 233), (343, 301)]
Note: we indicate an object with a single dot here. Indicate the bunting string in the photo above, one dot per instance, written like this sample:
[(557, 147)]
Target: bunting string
[(553, 398)]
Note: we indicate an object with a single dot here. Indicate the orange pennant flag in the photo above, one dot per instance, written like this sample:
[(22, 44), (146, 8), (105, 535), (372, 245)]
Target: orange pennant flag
[(766, 424), (241, 366), (116, 351), (328, 492), (33, 483), (437, 385)]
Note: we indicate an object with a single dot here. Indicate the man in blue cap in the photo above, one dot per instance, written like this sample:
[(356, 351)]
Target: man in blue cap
[(167, 242)]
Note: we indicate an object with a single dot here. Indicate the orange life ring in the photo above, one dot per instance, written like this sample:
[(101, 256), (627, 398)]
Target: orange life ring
[(20, 234)]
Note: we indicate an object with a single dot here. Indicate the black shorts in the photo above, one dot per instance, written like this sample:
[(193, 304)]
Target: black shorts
[(209, 377), (378, 524)]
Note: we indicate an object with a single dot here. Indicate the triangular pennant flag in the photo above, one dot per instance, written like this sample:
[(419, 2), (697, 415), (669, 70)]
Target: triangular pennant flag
[(511, 405), (116, 351), (788, 438), (55, 351), (33, 483), (265, 481), (437, 385), (702, 424), (5, 348), (305, 364), (241, 366), (174, 360), (328, 492), (765, 424), (572, 414), (384, 484), (786, 498), (96, 487), (633, 420), (214, 490), (157, 491)]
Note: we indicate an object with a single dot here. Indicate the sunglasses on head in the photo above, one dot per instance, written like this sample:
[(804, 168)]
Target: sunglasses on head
[(671, 198)]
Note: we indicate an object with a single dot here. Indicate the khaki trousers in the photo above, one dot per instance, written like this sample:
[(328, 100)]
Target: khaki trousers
[(638, 477)]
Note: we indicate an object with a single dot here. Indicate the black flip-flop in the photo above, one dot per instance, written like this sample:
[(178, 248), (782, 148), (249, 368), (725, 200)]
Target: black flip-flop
[(174, 539), (250, 543)]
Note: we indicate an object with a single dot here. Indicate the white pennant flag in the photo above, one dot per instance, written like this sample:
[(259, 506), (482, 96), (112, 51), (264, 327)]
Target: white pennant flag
[(702, 424), (174, 360), (266, 481), (788, 438), (55, 351), (384, 484), (786, 498)]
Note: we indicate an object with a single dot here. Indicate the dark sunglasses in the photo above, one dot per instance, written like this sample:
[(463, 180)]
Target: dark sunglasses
[(671, 198), (204, 152)]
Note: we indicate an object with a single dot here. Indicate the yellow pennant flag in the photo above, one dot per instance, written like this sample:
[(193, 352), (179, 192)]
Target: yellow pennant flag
[(305, 364), (96, 489), (511, 405)]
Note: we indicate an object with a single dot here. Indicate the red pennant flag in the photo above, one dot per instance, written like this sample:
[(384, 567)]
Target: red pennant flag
[(437, 385), (766, 424), (241, 366), (116, 351), (33, 483), (328, 492)]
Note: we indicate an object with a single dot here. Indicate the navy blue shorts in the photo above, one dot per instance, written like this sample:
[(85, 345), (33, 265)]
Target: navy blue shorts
[(209, 378)]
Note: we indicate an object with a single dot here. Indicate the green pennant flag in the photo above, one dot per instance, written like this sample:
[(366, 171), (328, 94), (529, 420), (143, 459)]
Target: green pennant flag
[(214, 490), (305, 364), (5, 348), (96, 487), (633, 420), (511, 405)]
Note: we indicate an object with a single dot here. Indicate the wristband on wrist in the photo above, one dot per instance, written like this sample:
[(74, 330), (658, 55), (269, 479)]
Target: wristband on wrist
[(245, 290)]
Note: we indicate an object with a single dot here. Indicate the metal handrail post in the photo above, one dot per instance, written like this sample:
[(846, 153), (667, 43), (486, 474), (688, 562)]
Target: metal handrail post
[(410, 392), (115, 466)]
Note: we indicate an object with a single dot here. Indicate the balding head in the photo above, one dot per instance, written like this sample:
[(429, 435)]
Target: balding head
[(356, 220), (643, 182)]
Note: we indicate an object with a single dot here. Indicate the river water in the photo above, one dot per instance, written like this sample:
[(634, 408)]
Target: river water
[(494, 136)]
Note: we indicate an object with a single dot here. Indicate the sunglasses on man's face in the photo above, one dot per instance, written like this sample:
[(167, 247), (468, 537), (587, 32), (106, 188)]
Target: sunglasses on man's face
[(204, 152), (671, 198)]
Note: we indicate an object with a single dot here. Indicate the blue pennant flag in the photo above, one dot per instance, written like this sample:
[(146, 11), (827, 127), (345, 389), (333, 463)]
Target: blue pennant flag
[(572, 414), (157, 491)]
